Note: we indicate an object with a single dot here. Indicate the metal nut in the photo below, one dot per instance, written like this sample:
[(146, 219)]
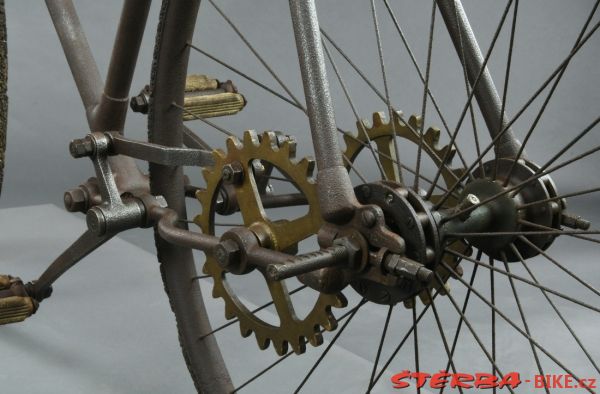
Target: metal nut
[(233, 173), (76, 200), (227, 253), (81, 148)]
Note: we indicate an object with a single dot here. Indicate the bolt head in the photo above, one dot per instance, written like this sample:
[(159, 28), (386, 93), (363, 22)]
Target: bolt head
[(96, 221), (76, 200)]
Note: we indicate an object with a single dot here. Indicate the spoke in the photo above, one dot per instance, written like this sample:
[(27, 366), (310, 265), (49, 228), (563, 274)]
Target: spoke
[(421, 76), (353, 167), (473, 89), (509, 321), (386, 87), (381, 342), (547, 232), (468, 90), (218, 128), (470, 327), (540, 173), (353, 107), (399, 347), (580, 193), (445, 342), (507, 77), (280, 359), (522, 110), (260, 308), (257, 55), (329, 346), (245, 76), (460, 321), (523, 319), (416, 339), (493, 300), (261, 85), (549, 95), (425, 90), (567, 325), (562, 267), (521, 279), (382, 97), (565, 233)]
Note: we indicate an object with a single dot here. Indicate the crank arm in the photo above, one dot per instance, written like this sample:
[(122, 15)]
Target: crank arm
[(86, 244)]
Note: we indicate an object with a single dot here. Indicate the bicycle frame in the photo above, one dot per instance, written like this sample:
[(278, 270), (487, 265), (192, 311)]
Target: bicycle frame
[(106, 106)]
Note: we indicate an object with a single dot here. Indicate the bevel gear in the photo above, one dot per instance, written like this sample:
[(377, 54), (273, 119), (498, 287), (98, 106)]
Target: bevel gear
[(282, 235), (381, 133)]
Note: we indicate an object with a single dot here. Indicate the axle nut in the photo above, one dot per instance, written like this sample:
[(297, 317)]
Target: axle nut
[(227, 253)]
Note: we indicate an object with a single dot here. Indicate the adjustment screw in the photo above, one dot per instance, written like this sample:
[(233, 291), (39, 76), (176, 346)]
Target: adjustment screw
[(139, 103), (81, 147), (227, 254), (76, 200), (469, 201), (575, 222), (233, 173)]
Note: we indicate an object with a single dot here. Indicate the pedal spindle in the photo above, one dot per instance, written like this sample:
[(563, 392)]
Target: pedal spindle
[(208, 98), (15, 304)]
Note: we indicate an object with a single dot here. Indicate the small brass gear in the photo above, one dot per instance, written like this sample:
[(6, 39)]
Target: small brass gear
[(381, 133), (279, 235)]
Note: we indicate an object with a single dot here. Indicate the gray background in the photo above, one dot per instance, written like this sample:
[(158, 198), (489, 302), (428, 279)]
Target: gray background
[(45, 113)]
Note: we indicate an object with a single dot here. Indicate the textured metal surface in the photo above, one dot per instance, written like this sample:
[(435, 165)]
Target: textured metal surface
[(335, 190), (159, 154), (486, 94), (280, 235)]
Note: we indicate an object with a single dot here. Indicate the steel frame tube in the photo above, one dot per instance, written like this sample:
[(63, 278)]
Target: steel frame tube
[(336, 195), (112, 109), (486, 94), (77, 51)]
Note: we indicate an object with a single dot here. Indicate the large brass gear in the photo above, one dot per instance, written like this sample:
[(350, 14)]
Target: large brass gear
[(280, 235), (381, 133)]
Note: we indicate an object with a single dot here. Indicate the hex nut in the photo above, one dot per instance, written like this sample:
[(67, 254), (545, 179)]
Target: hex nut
[(227, 253), (233, 173)]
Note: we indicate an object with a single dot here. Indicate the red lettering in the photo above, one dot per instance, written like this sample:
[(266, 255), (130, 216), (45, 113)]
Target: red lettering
[(513, 379), (568, 381), (556, 384), (421, 378), (485, 380), (538, 382), (459, 379), (398, 380), (439, 380)]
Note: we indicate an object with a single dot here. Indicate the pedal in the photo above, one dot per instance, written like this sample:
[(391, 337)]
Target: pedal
[(208, 98), (15, 304)]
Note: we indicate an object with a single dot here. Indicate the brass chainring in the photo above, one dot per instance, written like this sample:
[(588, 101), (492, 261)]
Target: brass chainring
[(281, 235), (381, 134)]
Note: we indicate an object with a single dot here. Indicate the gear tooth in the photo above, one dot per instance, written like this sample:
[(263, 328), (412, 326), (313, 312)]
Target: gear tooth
[(298, 345), (316, 339), (449, 151), (229, 310), (432, 136), (205, 269), (415, 121), (308, 165), (281, 347), (251, 138), (340, 301), (379, 119), (245, 331), (289, 148), (398, 115), (362, 126), (263, 342), (232, 143), (268, 139)]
